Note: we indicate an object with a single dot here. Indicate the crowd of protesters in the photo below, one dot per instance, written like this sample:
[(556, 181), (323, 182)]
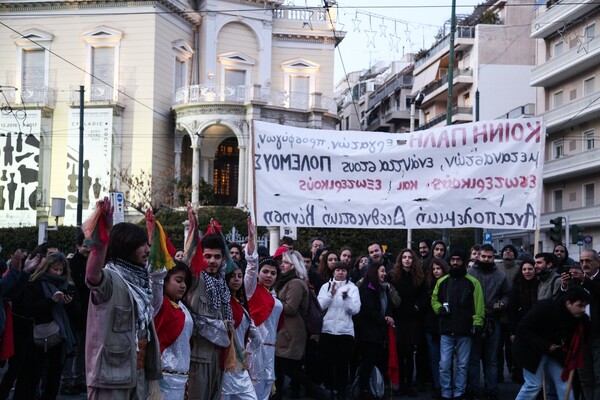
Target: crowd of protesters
[(104, 321)]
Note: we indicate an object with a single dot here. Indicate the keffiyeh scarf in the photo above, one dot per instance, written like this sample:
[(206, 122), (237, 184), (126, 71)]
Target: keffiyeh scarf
[(138, 282), (217, 294)]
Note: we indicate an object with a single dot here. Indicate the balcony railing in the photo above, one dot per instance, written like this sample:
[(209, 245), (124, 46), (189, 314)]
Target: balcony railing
[(573, 113), (32, 96), (568, 64), (300, 14), (524, 111), (442, 117), (99, 93), (444, 80), (572, 165), (462, 32), (389, 88), (208, 94), (550, 17)]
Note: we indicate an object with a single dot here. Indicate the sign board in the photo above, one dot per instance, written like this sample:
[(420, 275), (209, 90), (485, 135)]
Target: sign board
[(289, 231), (587, 239), (117, 199), (486, 174), (19, 166), (97, 160), (487, 238)]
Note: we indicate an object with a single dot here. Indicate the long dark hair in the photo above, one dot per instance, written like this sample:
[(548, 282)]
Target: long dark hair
[(432, 280), (125, 238), (372, 276), (416, 271), (240, 295)]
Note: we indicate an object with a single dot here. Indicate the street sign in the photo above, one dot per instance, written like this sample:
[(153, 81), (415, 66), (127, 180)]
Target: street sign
[(487, 238), (118, 202), (587, 239)]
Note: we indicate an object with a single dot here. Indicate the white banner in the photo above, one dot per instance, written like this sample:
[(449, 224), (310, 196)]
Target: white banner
[(19, 165), (97, 163), (486, 174)]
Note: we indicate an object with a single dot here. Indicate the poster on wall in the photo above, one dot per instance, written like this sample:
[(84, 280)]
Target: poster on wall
[(19, 166), (97, 156)]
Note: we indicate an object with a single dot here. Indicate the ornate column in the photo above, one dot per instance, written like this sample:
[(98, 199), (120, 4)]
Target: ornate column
[(196, 173), (242, 176)]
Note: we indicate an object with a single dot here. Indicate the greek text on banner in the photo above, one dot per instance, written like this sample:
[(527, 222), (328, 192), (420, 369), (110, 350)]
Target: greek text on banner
[(485, 174)]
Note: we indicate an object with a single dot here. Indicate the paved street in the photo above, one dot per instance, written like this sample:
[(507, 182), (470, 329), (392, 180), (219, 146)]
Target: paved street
[(506, 391)]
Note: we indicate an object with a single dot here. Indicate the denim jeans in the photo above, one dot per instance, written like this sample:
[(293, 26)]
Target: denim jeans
[(433, 346), (462, 345), (533, 381), (589, 375), (485, 350)]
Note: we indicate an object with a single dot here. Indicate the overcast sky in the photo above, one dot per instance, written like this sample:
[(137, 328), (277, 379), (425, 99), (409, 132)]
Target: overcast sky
[(387, 29)]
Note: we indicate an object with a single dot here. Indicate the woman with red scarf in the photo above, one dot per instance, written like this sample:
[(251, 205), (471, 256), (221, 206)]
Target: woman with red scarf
[(265, 309)]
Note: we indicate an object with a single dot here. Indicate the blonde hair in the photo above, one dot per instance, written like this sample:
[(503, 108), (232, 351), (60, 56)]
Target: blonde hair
[(50, 260), (296, 259)]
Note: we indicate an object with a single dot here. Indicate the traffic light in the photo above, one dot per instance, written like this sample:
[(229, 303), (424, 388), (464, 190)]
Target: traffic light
[(556, 230), (576, 234)]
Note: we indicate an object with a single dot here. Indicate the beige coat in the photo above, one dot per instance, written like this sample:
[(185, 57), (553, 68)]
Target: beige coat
[(291, 339), (110, 347)]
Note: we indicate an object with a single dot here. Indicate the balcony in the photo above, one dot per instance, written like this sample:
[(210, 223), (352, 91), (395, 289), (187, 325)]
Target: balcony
[(389, 88), (572, 166), (464, 35), (583, 216), (396, 114), (459, 115), (40, 97), (567, 65), (210, 94), (573, 113), (99, 94), (551, 17), (525, 111), (462, 77), (300, 19)]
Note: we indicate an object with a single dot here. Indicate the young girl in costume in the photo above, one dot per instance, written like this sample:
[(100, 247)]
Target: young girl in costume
[(265, 310), (236, 380), (172, 320), (174, 325)]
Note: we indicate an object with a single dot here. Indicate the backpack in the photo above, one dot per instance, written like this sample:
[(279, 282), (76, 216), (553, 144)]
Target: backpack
[(313, 317)]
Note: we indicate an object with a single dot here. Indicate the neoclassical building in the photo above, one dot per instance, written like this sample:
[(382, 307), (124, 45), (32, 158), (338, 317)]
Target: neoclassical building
[(170, 87)]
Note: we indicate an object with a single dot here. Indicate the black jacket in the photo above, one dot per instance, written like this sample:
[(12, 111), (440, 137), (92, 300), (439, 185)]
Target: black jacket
[(549, 322), (371, 325)]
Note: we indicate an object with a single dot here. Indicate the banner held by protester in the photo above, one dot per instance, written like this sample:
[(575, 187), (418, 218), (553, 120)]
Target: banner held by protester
[(483, 174)]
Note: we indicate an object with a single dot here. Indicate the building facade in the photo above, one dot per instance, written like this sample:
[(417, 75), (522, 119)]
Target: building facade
[(565, 76), (171, 87)]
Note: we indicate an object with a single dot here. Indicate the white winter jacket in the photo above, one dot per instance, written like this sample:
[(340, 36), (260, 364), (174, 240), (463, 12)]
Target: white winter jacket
[(339, 311)]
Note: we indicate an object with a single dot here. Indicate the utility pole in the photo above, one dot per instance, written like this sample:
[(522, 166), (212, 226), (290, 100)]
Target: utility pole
[(446, 232), (80, 177)]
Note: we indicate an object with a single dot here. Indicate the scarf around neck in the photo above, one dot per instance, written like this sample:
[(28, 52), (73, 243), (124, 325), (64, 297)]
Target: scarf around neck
[(217, 294), (138, 282), (51, 284)]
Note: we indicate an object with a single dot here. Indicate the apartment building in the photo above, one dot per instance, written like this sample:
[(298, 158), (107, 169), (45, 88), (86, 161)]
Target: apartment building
[(169, 86), (568, 97), (493, 57)]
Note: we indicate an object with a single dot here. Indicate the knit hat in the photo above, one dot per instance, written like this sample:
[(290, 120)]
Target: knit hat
[(512, 248), (459, 253)]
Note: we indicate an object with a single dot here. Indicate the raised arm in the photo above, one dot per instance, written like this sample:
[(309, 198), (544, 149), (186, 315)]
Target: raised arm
[(251, 274), (95, 262)]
